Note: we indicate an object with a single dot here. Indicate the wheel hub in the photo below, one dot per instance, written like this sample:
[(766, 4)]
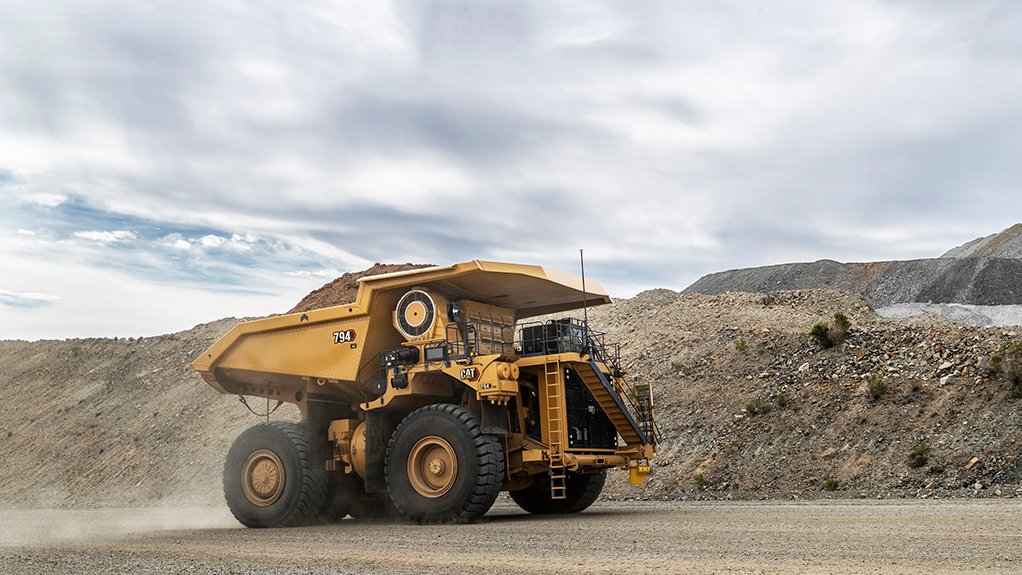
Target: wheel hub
[(262, 478), (432, 466)]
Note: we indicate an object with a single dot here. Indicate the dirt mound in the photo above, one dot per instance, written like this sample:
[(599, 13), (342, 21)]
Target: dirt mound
[(969, 281), (983, 272), (114, 422), (344, 289), (748, 404), (1007, 244), (751, 406)]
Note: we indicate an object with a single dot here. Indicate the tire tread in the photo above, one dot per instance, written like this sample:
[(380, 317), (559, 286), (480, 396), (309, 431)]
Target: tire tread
[(312, 494), (488, 451)]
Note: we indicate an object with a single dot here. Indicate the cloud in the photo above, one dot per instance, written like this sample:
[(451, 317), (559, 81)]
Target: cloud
[(44, 199), (327, 274), (212, 241), (26, 300), (667, 139), (107, 237)]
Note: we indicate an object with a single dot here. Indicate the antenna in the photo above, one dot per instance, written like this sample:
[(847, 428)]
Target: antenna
[(585, 299)]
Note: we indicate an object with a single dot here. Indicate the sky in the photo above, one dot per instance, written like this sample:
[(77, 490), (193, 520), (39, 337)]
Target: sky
[(164, 164)]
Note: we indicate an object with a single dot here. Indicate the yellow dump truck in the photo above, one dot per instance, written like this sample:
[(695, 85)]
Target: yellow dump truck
[(427, 396)]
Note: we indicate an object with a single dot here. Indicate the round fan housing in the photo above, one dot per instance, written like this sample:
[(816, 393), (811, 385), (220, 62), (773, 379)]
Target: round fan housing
[(415, 314)]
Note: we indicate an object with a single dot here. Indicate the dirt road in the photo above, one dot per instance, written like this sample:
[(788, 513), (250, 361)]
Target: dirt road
[(846, 537)]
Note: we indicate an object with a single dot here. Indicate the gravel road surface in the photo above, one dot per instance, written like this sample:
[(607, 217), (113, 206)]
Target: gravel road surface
[(832, 537)]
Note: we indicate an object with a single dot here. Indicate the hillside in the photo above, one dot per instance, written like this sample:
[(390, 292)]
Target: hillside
[(749, 406), (986, 272), (1007, 244)]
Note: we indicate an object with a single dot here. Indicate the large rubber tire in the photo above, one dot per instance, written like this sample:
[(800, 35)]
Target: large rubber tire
[(472, 471), (583, 489), (295, 497)]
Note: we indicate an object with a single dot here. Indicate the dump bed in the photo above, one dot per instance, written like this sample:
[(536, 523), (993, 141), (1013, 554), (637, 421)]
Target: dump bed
[(331, 351)]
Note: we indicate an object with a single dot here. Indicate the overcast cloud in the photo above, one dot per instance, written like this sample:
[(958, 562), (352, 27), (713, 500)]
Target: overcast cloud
[(164, 164)]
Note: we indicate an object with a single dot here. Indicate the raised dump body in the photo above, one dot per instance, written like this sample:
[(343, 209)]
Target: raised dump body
[(432, 392)]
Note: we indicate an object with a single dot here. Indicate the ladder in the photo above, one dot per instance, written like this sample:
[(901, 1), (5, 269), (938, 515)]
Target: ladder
[(553, 384)]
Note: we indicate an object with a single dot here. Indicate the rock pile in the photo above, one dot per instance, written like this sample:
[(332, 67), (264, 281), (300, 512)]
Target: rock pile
[(1007, 244), (751, 406), (985, 272)]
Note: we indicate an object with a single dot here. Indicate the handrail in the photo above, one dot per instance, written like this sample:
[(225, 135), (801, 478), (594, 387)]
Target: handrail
[(598, 351)]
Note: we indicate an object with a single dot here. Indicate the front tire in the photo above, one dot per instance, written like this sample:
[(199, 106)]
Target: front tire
[(441, 467), (583, 489), (267, 480)]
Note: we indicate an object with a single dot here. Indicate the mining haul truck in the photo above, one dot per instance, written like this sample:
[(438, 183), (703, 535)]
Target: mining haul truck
[(427, 396)]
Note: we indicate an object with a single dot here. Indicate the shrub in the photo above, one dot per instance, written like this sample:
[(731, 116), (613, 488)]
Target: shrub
[(831, 484), (754, 406), (876, 387), (829, 336), (1007, 363), (821, 333), (919, 455), (741, 344), (842, 322), (699, 479), (781, 399), (676, 366)]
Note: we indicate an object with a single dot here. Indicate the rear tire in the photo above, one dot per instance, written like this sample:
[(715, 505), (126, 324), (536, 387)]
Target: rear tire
[(583, 490), (441, 467), (267, 481)]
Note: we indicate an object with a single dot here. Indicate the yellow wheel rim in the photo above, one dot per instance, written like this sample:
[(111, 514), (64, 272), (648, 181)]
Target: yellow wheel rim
[(432, 466), (262, 478)]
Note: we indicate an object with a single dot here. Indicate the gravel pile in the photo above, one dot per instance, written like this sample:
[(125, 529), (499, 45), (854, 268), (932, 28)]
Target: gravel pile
[(981, 315), (1007, 244), (752, 407), (986, 272)]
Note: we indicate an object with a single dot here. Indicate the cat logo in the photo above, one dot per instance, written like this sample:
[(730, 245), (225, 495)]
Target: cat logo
[(470, 373)]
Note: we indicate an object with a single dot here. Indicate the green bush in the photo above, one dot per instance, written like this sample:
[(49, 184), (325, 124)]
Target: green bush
[(828, 335), (919, 455), (741, 344), (821, 333), (842, 322), (781, 399), (754, 406), (876, 387), (831, 485), (1007, 363), (699, 479)]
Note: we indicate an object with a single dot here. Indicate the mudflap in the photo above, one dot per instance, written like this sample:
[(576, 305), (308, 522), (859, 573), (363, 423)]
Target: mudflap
[(320, 411), (494, 419), (380, 425)]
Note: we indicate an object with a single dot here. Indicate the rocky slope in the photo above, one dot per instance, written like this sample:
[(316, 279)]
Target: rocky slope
[(1007, 244), (986, 271), (748, 404)]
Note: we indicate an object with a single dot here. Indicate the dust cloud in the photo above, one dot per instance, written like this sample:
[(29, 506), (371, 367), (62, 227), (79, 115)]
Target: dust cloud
[(32, 527)]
